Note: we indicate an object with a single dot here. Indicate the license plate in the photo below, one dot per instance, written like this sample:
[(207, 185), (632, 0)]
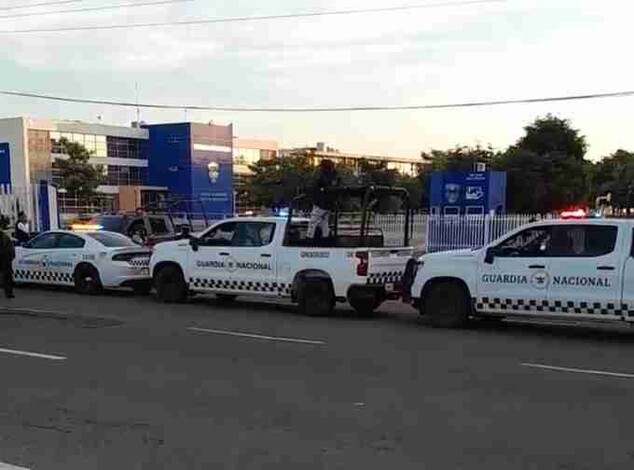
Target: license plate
[(389, 287), (144, 271)]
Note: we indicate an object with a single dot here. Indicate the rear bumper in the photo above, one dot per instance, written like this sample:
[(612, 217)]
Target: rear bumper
[(377, 291)]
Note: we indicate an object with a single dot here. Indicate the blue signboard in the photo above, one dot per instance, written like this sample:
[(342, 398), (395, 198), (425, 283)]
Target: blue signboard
[(462, 193), (5, 166)]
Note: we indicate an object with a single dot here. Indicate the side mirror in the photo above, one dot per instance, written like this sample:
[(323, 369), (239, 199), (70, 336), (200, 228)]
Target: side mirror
[(194, 243), (490, 255)]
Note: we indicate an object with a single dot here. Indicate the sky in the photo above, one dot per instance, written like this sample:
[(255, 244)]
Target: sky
[(444, 54)]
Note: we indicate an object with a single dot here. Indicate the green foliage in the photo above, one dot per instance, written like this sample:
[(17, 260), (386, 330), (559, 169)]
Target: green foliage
[(552, 135), (615, 174), (276, 182), (75, 174), (459, 158)]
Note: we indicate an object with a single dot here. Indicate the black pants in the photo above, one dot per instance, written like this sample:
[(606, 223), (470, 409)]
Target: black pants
[(6, 276)]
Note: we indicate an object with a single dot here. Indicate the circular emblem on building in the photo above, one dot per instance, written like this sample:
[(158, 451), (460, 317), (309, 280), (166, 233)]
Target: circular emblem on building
[(540, 280), (213, 169)]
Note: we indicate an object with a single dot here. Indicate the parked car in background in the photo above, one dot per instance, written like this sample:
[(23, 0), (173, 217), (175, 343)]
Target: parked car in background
[(144, 229)]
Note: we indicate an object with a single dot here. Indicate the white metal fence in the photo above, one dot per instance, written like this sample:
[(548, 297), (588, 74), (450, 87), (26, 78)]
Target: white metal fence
[(433, 233)]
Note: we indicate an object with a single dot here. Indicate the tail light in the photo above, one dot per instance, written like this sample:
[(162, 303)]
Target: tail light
[(129, 256), (364, 263)]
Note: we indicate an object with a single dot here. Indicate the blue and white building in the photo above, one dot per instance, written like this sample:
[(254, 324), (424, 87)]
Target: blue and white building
[(140, 164)]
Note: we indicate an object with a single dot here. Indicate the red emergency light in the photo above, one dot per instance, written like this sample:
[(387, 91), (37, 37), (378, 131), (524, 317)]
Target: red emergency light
[(573, 214)]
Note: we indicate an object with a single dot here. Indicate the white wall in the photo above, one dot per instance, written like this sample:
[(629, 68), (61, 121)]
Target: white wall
[(14, 131)]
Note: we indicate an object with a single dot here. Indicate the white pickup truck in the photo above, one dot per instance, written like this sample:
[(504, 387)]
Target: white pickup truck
[(571, 269), (271, 256)]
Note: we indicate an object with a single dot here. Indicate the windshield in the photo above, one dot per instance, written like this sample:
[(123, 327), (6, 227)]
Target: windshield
[(111, 240), (113, 223)]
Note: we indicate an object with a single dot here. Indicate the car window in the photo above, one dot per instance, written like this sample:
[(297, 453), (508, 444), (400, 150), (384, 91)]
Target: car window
[(532, 242), (583, 241), (42, 242), (221, 235), (111, 240), (113, 223), (68, 241), (137, 228), (254, 234), (158, 225)]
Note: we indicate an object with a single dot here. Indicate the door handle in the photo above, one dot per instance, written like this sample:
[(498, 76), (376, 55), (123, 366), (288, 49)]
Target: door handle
[(265, 255), (537, 266), (605, 268), (224, 253)]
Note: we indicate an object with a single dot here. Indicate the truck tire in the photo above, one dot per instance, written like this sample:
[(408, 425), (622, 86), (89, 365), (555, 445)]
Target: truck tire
[(447, 305), (315, 297), (86, 280), (170, 285)]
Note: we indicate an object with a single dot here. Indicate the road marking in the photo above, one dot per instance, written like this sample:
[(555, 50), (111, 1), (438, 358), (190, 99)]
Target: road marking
[(17, 352), (256, 336), (29, 310), (579, 371), (8, 466)]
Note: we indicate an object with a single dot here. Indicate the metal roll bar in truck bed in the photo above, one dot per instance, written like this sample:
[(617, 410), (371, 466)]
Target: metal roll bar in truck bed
[(370, 195)]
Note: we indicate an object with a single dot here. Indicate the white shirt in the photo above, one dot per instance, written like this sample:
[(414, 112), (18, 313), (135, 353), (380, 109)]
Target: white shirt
[(24, 227)]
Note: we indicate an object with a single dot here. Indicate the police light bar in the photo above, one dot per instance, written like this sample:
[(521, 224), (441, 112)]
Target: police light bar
[(86, 227), (573, 214)]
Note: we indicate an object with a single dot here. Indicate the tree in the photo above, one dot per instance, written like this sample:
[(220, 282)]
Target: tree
[(546, 167), (459, 158), (552, 135), (75, 174), (615, 174)]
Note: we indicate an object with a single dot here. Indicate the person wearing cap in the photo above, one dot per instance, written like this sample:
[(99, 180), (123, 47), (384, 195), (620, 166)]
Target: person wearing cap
[(7, 255), (322, 201)]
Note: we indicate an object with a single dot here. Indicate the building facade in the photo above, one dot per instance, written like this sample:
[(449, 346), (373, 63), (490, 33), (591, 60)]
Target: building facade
[(141, 164), (247, 152), (404, 165)]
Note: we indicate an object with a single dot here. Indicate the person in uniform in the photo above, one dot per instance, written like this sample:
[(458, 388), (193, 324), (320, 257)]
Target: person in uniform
[(22, 229), (322, 201), (7, 255)]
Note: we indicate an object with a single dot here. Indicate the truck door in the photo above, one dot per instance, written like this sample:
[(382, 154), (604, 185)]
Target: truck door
[(209, 267), (516, 281), (586, 270), (254, 258)]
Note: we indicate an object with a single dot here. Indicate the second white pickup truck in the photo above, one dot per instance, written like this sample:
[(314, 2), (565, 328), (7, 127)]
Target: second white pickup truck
[(271, 256), (570, 269)]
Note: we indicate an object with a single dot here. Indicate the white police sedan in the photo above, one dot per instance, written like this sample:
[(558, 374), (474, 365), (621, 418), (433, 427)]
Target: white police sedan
[(89, 261)]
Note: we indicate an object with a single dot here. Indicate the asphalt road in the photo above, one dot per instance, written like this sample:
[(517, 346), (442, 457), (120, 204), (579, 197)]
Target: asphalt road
[(124, 382)]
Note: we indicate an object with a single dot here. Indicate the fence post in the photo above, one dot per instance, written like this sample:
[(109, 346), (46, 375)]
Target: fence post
[(487, 228)]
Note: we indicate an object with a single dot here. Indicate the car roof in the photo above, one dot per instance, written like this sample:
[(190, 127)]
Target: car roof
[(590, 221), (271, 218)]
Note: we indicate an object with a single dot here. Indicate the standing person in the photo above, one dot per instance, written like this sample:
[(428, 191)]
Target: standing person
[(22, 229), (322, 201), (7, 255)]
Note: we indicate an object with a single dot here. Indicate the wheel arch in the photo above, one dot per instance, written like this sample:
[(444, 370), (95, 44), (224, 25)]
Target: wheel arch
[(163, 264), (86, 264), (430, 283), (311, 274)]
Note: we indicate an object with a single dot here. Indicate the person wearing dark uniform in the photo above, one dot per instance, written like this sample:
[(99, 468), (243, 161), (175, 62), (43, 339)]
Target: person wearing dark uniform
[(7, 255), (322, 201)]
